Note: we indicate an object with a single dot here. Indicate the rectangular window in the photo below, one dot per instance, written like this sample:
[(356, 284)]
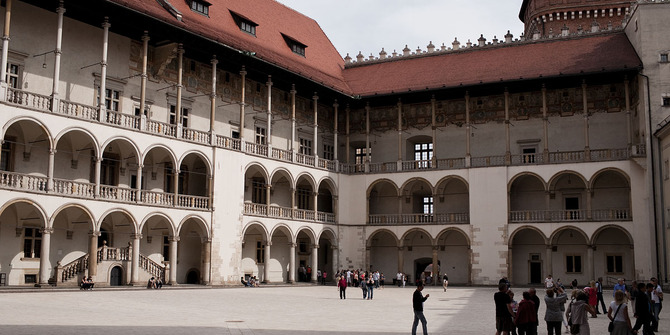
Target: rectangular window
[(614, 264), (360, 154), (528, 155), (7, 156), (200, 7), (328, 152), (423, 154), (427, 205), (295, 46), (247, 27), (166, 248), (302, 198), (664, 58), (183, 116), (258, 191), (666, 101), (112, 98), (573, 263), (305, 146), (260, 252), (260, 135), (32, 243), (235, 134), (13, 75)]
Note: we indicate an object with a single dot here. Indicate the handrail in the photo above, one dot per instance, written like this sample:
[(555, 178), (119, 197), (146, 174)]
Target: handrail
[(155, 269)]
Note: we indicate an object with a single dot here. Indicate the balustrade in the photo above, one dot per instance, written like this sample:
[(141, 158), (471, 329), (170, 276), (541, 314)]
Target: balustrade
[(616, 214), (115, 193), (281, 154), (158, 198), (255, 209), (161, 128), (194, 135), (24, 182), (153, 268), (74, 188), (380, 167), (192, 201), (304, 159), (280, 212), (123, 120), (77, 110), (256, 149), (30, 100)]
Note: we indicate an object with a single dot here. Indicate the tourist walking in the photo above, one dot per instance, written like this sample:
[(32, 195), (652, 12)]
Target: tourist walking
[(553, 316), (417, 303), (342, 286), (620, 321), (576, 314), (599, 295), (642, 312), (656, 303)]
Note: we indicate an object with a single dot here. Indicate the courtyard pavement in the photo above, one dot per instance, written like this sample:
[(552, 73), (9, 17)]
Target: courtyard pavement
[(272, 310)]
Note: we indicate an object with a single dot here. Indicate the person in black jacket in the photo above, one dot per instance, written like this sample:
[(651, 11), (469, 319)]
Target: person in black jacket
[(642, 312), (417, 302)]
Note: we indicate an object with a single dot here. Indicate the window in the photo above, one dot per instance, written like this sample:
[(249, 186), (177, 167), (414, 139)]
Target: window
[(423, 153), (169, 178), (528, 155), (573, 263), (112, 99), (13, 75), (30, 279), (260, 252), (7, 156), (666, 101), (427, 205), (614, 264), (306, 146), (235, 134), (260, 135), (200, 7), (328, 152), (664, 58), (360, 155), (258, 191), (183, 116), (166, 248), (302, 198), (245, 24), (295, 46), (146, 110), (32, 243)]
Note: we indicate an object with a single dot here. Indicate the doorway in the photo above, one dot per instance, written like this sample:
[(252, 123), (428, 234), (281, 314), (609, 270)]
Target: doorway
[(572, 207), (193, 277), (535, 272), (420, 266), (116, 276)]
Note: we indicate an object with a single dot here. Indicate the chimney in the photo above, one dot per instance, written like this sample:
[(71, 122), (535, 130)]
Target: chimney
[(430, 47), (469, 44), (443, 47), (394, 54), (382, 54), (371, 57), (347, 59), (565, 31), (456, 44), (360, 58), (536, 35), (508, 37), (495, 39), (406, 51), (595, 27), (481, 40), (418, 50)]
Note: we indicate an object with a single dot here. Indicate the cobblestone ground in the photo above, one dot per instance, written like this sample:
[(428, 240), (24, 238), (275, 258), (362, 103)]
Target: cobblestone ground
[(266, 310)]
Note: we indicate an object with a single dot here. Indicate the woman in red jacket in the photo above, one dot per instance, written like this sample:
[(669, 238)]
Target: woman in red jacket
[(526, 319)]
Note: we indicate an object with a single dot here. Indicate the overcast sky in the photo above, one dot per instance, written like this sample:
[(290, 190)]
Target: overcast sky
[(369, 25)]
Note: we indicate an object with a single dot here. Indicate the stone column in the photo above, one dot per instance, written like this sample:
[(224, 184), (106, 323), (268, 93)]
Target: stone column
[(291, 266), (143, 77), (589, 195), (508, 152), (173, 259), (436, 271), (93, 254), (55, 99), (548, 262), (400, 134), (50, 171), (510, 264), (545, 125), (268, 189), (315, 196), (468, 157), (5, 48), (347, 146), (102, 115), (243, 74), (315, 262), (139, 183), (45, 265), (587, 149), (98, 162), (206, 260), (433, 123), (315, 153), (180, 76), (335, 133), (292, 202), (135, 260), (628, 114), (293, 92), (336, 260), (266, 266), (212, 108), (175, 182), (401, 259), (269, 115), (368, 266), (589, 261)]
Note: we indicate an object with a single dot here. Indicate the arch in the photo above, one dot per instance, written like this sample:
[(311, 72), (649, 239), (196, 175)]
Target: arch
[(551, 185), (151, 147), (96, 143), (283, 170), (123, 211), (598, 231), (307, 176), (312, 234), (526, 174), (39, 123), (73, 205), (284, 228), (557, 232), (199, 221), (167, 218), (606, 170), (256, 224), (415, 230), (260, 167), (417, 179), (125, 139), (526, 227), (379, 181), (28, 202), (378, 231), (453, 229), (198, 154), (449, 178), (327, 180), (324, 234), (113, 281)]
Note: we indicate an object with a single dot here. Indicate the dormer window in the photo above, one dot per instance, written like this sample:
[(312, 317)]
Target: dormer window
[(295, 46), (245, 24), (200, 6)]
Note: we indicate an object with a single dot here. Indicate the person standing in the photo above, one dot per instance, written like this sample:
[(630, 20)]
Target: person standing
[(526, 318), (323, 277), (342, 285), (371, 286), (553, 316), (536, 301), (620, 286), (417, 303), (642, 312), (656, 302), (577, 313), (593, 298), (620, 319), (445, 282), (504, 312), (549, 282), (599, 295)]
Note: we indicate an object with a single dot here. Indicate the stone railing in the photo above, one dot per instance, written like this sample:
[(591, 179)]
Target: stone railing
[(106, 253), (74, 189), (153, 268), (194, 135), (418, 218), (161, 128), (193, 201), (304, 159), (25, 182), (487, 161), (228, 143), (451, 163), (280, 212), (255, 209), (616, 214), (417, 165), (158, 198), (123, 120), (30, 100), (275, 211), (115, 193), (282, 155), (379, 167), (79, 111), (72, 269), (256, 149), (327, 164)]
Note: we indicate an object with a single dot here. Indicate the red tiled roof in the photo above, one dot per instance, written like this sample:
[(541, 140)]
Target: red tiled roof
[(531, 60), (322, 62)]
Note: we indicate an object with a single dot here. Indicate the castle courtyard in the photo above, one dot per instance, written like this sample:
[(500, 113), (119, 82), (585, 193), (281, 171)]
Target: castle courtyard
[(265, 310)]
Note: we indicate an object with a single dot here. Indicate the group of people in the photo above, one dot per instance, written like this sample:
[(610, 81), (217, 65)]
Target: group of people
[(522, 318), (367, 281), (154, 283), (86, 283), (252, 282)]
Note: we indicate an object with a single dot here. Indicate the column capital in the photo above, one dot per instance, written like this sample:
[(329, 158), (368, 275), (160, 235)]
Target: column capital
[(95, 233), (180, 48), (293, 91), (269, 82), (136, 236), (315, 97), (335, 104), (243, 72), (145, 36), (52, 151), (214, 60), (105, 23), (173, 238), (268, 243), (315, 246), (47, 230), (292, 244), (206, 239)]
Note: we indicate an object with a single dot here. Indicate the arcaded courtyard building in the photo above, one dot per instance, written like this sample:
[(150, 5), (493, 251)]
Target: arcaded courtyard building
[(204, 141)]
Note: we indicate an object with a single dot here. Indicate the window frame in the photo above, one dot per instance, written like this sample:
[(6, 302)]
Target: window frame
[(200, 7), (574, 264), (295, 46), (423, 154), (246, 26), (260, 135), (328, 151), (305, 146), (614, 263), (302, 197), (17, 59), (35, 240)]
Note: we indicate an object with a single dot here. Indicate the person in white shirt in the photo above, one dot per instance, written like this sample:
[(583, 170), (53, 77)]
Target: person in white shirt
[(549, 282)]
